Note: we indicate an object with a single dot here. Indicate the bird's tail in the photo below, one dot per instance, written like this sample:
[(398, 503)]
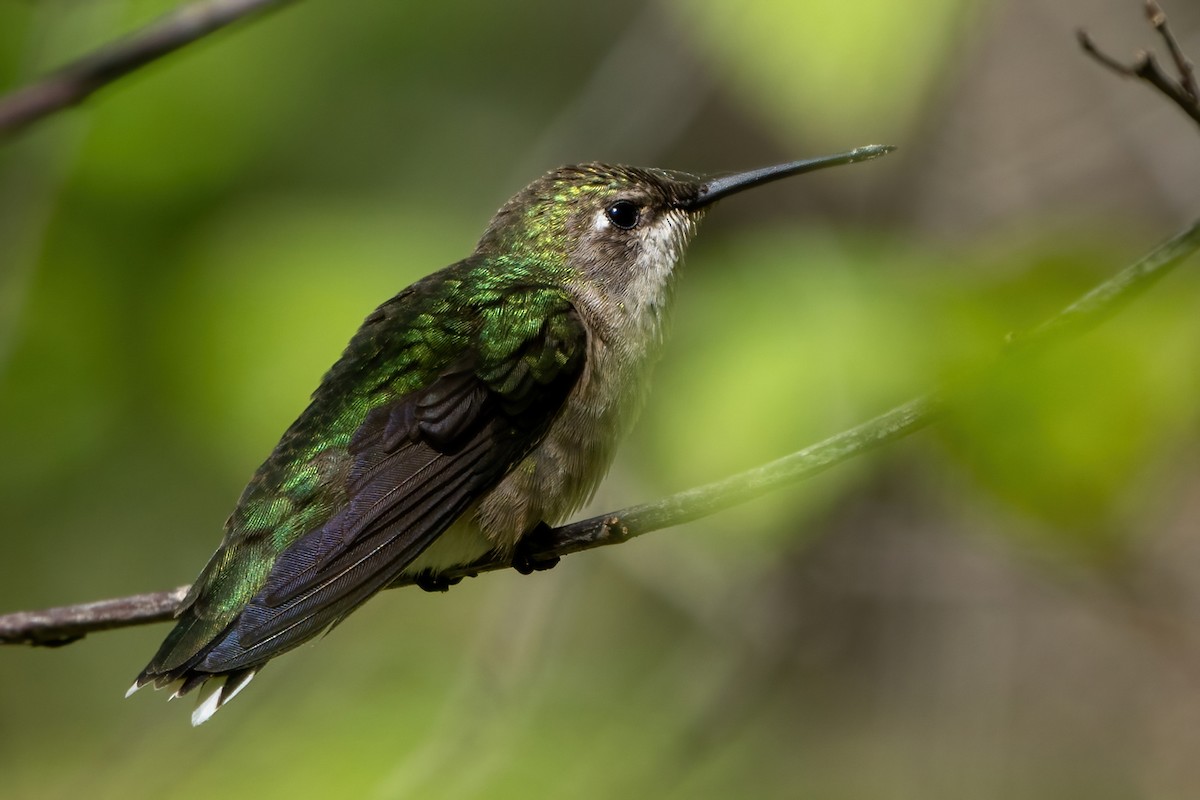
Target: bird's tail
[(232, 683)]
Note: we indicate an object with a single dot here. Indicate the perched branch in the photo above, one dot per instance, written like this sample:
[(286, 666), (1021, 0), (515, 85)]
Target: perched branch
[(58, 626), (1181, 92), (68, 623), (77, 81)]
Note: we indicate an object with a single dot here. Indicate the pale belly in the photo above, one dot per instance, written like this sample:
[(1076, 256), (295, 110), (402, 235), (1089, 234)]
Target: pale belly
[(553, 481), (563, 471), (462, 543)]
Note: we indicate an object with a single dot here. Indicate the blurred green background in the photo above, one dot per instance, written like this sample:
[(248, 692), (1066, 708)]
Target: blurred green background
[(1004, 605)]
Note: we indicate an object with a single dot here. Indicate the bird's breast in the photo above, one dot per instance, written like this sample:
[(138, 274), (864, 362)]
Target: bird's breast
[(562, 472)]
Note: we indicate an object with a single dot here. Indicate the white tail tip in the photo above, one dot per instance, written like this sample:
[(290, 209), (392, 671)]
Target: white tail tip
[(218, 697), (207, 708)]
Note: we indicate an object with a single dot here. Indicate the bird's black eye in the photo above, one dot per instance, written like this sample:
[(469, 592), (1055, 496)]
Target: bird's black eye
[(624, 214)]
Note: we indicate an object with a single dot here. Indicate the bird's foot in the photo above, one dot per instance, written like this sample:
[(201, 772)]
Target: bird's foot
[(432, 582), (524, 561)]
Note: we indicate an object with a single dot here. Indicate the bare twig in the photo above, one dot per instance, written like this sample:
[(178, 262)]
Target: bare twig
[(52, 627), (1182, 92), (74, 83), (1089, 47), (1187, 74), (68, 623)]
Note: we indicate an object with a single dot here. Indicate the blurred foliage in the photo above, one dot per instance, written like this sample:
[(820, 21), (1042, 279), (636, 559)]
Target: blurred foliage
[(786, 62), (198, 243)]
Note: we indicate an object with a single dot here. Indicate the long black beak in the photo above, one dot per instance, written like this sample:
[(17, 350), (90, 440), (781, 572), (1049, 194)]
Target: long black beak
[(715, 188)]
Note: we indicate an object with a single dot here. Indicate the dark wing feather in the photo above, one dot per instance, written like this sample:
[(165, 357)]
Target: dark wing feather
[(325, 589), (401, 454), (419, 464)]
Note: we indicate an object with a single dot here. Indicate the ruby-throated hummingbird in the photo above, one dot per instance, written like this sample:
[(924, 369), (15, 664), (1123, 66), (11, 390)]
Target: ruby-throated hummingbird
[(478, 404)]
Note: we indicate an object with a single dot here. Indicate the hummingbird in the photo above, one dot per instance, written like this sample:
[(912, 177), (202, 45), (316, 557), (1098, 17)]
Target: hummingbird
[(480, 404)]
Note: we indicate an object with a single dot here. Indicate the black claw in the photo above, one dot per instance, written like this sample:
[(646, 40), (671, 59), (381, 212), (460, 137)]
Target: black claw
[(435, 583), (524, 561)]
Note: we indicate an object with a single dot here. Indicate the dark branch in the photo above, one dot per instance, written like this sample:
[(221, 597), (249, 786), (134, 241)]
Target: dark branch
[(58, 626), (68, 623), (1181, 92), (1187, 74), (74, 83)]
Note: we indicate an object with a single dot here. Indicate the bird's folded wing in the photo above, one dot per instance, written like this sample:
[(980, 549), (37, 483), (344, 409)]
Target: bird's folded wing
[(420, 462)]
